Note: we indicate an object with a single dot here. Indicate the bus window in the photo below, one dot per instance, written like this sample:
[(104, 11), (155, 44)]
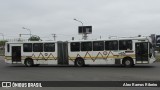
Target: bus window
[(8, 48), (98, 46), (125, 45), (75, 46), (27, 47), (111, 45), (86, 46), (38, 47), (49, 47)]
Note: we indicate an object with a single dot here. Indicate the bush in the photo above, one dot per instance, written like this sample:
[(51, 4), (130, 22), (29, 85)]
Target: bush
[(158, 57), (1, 52), (34, 38)]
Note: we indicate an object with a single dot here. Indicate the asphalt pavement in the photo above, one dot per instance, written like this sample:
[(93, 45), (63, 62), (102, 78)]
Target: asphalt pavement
[(150, 72)]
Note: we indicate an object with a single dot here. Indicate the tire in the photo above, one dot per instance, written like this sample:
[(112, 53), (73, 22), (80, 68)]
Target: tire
[(29, 63), (128, 62), (36, 65), (79, 62)]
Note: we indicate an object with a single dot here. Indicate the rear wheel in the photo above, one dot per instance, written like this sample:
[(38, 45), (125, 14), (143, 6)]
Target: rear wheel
[(79, 62), (29, 62)]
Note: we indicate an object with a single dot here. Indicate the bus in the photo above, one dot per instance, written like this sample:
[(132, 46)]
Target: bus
[(122, 51)]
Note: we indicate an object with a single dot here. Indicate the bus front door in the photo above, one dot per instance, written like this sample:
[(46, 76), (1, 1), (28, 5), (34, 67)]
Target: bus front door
[(16, 54), (142, 52)]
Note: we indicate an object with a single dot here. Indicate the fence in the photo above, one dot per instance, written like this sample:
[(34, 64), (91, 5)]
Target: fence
[(16, 40)]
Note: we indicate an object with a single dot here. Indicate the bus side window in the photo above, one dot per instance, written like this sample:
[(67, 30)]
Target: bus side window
[(49, 47), (86, 46), (38, 47), (125, 45), (75, 46), (111, 45), (98, 46), (27, 47), (8, 48)]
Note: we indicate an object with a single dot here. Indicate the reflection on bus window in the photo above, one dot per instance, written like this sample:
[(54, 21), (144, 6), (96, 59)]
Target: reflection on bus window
[(49, 47), (75, 46), (98, 46), (38, 47), (111, 45), (86, 46), (27, 47), (125, 45)]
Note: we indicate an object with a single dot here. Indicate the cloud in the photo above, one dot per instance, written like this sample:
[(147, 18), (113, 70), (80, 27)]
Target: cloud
[(108, 17)]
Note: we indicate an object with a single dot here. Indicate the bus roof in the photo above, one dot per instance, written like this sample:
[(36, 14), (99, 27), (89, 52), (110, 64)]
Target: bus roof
[(19, 42), (109, 39), (122, 38)]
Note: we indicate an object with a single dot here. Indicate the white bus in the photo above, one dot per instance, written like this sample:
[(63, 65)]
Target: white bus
[(122, 51)]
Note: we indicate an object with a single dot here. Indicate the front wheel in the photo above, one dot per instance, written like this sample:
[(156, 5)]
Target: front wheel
[(79, 62), (128, 63), (29, 63)]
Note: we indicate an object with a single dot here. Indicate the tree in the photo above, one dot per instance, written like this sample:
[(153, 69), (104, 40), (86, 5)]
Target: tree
[(2, 43), (34, 38)]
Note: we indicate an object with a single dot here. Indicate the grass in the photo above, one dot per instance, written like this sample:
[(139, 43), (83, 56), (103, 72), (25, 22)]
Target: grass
[(1, 52)]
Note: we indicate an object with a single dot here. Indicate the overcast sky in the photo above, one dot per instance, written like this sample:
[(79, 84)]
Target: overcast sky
[(108, 17)]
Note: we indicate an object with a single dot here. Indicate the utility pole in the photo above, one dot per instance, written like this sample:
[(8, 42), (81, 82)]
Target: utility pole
[(54, 36), (28, 30), (2, 35)]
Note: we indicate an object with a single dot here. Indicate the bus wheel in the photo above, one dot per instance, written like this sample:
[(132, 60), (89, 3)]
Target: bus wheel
[(79, 62), (128, 62), (29, 63)]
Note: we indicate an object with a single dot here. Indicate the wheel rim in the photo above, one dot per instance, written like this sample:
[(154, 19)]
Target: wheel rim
[(28, 63), (80, 63), (127, 62)]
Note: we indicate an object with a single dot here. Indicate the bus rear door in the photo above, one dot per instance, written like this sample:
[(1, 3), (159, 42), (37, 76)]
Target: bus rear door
[(16, 54)]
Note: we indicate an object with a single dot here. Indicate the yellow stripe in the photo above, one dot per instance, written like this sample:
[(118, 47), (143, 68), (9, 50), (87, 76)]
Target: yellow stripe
[(72, 58), (34, 58), (104, 57)]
